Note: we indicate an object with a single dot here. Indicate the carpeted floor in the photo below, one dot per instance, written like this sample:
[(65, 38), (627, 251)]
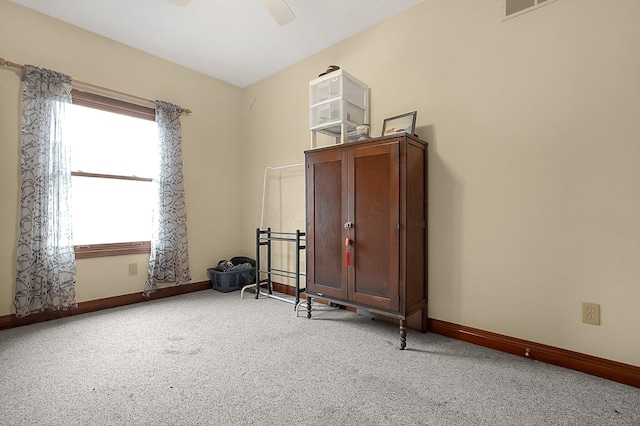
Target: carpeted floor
[(209, 358)]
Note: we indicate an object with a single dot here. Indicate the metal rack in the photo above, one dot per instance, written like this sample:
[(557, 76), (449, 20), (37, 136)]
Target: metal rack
[(265, 237)]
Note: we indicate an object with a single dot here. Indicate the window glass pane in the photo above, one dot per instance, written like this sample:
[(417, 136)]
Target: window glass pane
[(110, 143), (111, 210)]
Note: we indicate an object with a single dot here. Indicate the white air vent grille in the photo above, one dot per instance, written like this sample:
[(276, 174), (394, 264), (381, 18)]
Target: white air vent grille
[(518, 7)]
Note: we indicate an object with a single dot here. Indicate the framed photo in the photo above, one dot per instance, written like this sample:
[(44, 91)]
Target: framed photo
[(400, 124)]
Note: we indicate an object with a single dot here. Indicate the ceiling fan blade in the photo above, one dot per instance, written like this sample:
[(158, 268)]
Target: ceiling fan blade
[(280, 11), (179, 2)]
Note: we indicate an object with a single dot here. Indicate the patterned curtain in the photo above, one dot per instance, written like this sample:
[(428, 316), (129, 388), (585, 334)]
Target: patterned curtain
[(46, 272), (169, 261)]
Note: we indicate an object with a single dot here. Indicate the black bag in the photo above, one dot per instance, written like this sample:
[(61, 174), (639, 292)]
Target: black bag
[(241, 259)]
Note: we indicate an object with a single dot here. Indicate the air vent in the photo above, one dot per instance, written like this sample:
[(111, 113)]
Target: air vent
[(518, 7)]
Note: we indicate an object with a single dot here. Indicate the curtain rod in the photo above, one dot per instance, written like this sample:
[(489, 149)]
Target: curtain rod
[(5, 63)]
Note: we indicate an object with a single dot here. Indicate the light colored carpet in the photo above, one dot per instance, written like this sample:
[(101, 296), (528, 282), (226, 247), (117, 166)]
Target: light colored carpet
[(209, 358)]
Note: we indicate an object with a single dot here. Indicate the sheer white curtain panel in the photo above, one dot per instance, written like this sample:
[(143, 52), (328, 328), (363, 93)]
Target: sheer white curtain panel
[(46, 269), (169, 259)]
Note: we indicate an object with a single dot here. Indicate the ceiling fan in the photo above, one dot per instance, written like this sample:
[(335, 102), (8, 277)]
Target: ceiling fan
[(279, 9)]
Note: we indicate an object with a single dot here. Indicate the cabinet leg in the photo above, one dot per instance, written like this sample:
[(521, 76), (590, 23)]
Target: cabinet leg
[(308, 307), (403, 334)]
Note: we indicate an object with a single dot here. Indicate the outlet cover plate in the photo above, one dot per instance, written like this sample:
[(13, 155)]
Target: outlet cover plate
[(133, 269), (591, 313)]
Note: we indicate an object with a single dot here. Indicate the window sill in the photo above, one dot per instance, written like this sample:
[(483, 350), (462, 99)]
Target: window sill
[(114, 249)]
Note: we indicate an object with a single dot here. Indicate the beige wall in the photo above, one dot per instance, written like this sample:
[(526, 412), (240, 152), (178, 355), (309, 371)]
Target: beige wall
[(212, 145), (533, 131), (533, 128)]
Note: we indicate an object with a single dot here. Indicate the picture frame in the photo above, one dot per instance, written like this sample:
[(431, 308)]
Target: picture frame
[(404, 123)]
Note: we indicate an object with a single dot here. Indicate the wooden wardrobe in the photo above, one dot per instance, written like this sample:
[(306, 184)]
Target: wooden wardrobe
[(367, 226)]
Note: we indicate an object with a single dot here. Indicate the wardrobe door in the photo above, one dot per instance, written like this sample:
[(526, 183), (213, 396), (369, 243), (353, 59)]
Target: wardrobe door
[(326, 214), (374, 205)]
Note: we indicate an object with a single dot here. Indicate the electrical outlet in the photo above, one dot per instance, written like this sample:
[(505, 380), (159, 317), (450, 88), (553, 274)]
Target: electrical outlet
[(133, 269), (591, 313)]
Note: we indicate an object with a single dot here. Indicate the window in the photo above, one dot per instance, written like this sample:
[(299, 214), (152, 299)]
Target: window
[(114, 159)]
